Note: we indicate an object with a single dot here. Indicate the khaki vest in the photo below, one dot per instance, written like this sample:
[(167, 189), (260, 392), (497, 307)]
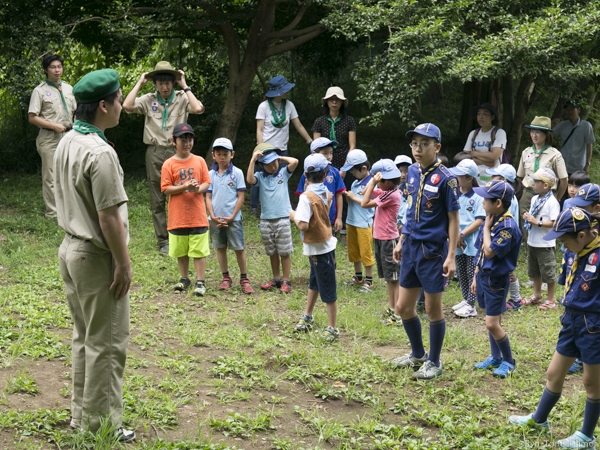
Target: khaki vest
[(319, 227)]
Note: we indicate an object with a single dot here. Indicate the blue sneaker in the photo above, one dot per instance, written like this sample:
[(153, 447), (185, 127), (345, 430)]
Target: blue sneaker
[(577, 440), (529, 421), (504, 370), (489, 363), (576, 367)]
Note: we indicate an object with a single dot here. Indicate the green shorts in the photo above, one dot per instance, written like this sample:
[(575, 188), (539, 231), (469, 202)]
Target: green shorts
[(192, 245)]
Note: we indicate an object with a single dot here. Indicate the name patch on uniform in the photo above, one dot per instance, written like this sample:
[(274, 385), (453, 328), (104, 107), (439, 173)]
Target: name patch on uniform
[(593, 259), (435, 178), (431, 188), (590, 268)]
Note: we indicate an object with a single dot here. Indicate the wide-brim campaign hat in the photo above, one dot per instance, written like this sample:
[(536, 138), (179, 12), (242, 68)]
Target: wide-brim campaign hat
[(163, 67), (540, 123), (335, 91), (278, 86), (491, 108)]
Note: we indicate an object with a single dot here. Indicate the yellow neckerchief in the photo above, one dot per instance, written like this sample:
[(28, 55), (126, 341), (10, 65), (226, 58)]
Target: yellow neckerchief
[(481, 250), (587, 249), (422, 187)]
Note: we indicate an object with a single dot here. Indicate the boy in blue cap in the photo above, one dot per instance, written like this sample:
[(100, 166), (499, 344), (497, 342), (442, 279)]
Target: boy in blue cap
[(427, 249), (312, 219), (580, 333), (498, 247)]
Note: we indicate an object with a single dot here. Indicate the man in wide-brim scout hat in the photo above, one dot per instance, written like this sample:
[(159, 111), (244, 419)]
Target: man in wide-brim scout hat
[(91, 206), (163, 109)]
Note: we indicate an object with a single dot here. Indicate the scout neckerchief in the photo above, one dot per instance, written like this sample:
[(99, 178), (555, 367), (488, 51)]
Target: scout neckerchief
[(165, 104), (332, 131), (422, 187), (86, 128), (587, 249), (501, 219), (537, 205), (62, 96), (537, 155), (278, 119)]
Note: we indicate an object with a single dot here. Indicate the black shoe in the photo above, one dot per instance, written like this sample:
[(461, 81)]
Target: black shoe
[(183, 285), (124, 435)]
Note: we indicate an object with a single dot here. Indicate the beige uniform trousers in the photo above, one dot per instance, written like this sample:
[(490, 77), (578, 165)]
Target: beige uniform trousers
[(100, 333), (46, 144), (155, 157)]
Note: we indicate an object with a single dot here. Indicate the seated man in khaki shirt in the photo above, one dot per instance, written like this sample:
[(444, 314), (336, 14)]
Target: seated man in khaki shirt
[(163, 109)]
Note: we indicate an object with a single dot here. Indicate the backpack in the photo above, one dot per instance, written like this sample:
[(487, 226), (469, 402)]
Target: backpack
[(504, 158)]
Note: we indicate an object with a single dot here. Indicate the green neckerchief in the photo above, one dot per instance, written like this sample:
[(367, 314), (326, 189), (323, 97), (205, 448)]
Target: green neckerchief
[(62, 96), (538, 154), (332, 131), (165, 104), (279, 120), (87, 128)]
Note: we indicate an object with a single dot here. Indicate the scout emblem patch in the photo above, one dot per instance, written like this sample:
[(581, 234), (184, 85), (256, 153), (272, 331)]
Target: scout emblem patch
[(154, 106), (578, 214), (593, 258), (435, 178)]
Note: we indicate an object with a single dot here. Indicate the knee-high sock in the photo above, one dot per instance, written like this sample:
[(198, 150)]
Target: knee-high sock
[(504, 346), (591, 415), (496, 354), (413, 331), (437, 331), (547, 402)]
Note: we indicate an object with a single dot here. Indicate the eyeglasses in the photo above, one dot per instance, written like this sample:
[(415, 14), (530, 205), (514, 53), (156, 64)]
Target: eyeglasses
[(422, 145)]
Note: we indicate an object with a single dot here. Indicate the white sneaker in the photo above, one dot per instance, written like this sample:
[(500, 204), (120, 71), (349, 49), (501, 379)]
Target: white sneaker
[(460, 305), (466, 311), (544, 286)]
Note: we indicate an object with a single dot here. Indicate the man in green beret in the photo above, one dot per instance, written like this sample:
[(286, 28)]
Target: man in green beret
[(91, 206), (51, 109), (162, 109)]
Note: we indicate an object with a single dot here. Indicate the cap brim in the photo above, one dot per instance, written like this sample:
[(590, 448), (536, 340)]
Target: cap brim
[(457, 171), (551, 235), (580, 202), (329, 144), (482, 192), (150, 75), (269, 158)]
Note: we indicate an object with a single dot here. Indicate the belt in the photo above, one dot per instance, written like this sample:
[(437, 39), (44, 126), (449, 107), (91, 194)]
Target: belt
[(71, 236)]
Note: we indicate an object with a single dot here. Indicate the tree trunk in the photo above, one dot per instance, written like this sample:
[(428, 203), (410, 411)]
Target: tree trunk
[(522, 104), (508, 104), (585, 113)]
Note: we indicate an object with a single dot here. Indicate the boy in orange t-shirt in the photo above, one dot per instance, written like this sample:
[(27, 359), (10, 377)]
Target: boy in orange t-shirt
[(184, 178)]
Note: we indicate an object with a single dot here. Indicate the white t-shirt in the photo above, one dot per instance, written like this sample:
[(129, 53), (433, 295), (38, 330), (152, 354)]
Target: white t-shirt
[(483, 143), (549, 211), (278, 137), (304, 213)]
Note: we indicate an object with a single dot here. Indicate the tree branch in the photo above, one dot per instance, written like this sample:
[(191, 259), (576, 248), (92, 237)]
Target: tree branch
[(280, 35), (293, 43), (231, 41), (294, 23)]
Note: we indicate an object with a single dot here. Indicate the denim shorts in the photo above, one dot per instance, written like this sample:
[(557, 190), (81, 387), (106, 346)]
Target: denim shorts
[(231, 236), (322, 276)]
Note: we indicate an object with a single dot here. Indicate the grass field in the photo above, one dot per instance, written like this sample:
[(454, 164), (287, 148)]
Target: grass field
[(227, 370)]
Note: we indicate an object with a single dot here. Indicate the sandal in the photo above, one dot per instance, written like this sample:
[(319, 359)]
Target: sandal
[(548, 304), (529, 301)]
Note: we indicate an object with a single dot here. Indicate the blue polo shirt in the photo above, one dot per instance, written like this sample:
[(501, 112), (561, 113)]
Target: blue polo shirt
[(506, 243), (440, 196), (471, 209), (584, 294), (224, 189), (358, 216), (401, 220), (274, 194), (333, 182)]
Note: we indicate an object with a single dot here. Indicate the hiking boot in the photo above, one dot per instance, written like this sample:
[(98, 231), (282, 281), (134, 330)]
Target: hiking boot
[(199, 289), (489, 363), (409, 360), (428, 371), (330, 334), (183, 285), (577, 440), (286, 287), (305, 323), (124, 435), (366, 287), (271, 284), (354, 281), (245, 284), (529, 421), (226, 283), (505, 369)]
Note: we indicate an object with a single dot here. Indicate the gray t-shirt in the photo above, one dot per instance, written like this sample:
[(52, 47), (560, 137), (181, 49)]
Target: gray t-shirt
[(574, 150)]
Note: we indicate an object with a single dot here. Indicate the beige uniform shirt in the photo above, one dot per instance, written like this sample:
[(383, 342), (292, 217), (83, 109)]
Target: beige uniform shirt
[(88, 179), (551, 159), (46, 103), (149, 106)]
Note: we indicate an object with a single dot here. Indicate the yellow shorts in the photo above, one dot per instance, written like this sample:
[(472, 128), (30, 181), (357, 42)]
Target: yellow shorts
[(360, 245), (193, 245)]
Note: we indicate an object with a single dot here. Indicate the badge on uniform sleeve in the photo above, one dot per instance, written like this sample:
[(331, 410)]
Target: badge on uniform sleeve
[(585, 287), (435, 178), (505, 234), (593, 259), (499, 240), (451, 182), (154, 106)]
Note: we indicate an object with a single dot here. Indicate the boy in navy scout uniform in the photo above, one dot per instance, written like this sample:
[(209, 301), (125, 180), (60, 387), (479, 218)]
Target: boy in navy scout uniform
[(498, 245), (580, 333), (427, 248), (162, 109)]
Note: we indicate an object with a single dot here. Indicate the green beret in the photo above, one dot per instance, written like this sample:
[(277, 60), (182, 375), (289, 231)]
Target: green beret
[(96, 86)]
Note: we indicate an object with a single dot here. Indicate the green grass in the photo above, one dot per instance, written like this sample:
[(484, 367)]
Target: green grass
[(227, 371)]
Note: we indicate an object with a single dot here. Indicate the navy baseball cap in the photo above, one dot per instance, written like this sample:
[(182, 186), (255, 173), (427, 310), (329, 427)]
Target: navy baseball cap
[(388, 169), (354, 158), (315, 162), (426, 129), (572, 220), (586, 195), (496, 189)]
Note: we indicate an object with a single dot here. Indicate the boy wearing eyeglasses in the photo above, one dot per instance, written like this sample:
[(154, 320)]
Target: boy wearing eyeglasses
[(427, 248)]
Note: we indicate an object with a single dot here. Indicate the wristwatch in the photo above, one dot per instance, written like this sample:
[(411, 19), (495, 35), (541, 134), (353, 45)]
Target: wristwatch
[(187, 89), (540, 223)]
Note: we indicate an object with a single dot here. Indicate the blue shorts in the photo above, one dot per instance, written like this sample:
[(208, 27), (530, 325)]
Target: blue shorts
[(580, 336), (491, 292), (231, 236), (423, 265), (322, 276)]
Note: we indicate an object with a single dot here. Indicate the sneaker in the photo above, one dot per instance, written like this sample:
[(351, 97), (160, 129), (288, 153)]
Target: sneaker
[(199, 289), (305, 323), (164, 249), (409, 360), (514, 305), (225, 284), (245, 284), (74, 424), (387, 313), (460, 305), (527, 284), (544, 286), (124, 435), (489, 363), (466, 311), (271, 284), (286, 287), (577, 440), (504, 369), (183, 285), (428, 371), (576, 367), (330, 334), (529, 421), (392, 321), (354, 281), (366, 288)]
